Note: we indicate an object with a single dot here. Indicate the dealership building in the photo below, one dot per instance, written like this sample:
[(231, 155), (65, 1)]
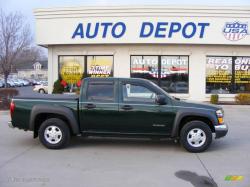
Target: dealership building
[(190, 51)]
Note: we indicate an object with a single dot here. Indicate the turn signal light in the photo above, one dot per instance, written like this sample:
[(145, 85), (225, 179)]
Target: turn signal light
[(220, 120)]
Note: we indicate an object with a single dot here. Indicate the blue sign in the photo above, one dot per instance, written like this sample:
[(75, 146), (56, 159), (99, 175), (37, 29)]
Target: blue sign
[(147, 30)]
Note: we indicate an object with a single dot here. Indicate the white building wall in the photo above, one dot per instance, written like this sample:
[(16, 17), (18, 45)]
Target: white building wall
[(197, 61)]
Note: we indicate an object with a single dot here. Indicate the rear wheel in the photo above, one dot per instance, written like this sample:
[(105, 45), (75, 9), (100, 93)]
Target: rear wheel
[(54, 133), (196, 136)]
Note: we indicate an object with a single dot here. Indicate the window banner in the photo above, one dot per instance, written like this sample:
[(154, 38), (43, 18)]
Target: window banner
[(71, 71), (100, 66), (219, 70), (242, 70)]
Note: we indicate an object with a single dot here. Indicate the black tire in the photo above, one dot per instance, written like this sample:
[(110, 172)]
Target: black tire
[(41, 91), (202, 144), (59, 125)]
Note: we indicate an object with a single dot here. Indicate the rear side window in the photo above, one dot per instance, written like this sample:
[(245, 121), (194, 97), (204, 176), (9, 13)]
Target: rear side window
[(100, 92)]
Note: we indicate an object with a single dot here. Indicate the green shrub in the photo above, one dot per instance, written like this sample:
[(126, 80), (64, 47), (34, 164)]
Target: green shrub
[(58, 87), (242, 98), (214, 99), (6, 94)]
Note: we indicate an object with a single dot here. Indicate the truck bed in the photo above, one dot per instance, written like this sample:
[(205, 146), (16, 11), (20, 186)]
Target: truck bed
[(24, 104)]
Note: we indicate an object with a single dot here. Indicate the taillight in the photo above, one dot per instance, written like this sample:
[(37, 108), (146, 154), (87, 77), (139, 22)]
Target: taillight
[(12, 107)]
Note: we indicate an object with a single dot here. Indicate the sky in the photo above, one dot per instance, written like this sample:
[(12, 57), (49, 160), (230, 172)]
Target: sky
[(26, 7)]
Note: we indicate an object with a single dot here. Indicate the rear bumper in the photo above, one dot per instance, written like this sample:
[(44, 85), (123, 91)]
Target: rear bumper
[(221, 130), (10, 125)]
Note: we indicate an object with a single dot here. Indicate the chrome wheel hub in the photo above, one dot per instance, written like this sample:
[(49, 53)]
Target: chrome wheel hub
[(196, 137), (53, 134)]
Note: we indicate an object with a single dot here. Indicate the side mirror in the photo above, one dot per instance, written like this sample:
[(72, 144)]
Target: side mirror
[(161, 100), (176, 98)]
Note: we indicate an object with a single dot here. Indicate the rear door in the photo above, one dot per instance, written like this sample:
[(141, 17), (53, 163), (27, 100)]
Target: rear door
[(99, 106), (139, 111)]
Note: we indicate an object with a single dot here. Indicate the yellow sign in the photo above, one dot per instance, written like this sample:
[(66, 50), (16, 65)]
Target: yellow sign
[(71, 72), (100, 66)]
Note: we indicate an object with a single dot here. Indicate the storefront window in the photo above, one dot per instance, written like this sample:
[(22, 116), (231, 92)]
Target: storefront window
[(145, 67), (99, 66), (71, 69), (219, 75), (174, 74), (226, 75), (242, 74), (173, 71)]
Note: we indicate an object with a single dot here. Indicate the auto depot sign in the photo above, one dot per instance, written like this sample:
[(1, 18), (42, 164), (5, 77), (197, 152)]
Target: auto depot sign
[(132, 30), (147, 29)]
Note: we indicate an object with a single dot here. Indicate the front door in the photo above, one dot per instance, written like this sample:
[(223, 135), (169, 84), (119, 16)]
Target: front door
[(99, 109), (139, 111)]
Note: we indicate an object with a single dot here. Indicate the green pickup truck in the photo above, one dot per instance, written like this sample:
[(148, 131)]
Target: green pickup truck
[(118, 107)]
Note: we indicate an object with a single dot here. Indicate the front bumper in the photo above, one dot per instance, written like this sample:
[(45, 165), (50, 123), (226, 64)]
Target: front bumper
[(10, 124), (221, 130)]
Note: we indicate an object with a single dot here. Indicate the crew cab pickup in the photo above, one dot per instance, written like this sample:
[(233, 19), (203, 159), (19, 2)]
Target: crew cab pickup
[(118, 107)]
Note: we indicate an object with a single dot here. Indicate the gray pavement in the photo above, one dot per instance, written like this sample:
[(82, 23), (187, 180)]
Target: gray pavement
[(108, 162)]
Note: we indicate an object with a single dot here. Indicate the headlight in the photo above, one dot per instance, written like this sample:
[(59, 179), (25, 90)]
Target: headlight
[(220, 115)]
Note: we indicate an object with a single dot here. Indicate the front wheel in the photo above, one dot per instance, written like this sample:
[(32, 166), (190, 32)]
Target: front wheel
[(54, 133), (196, 136)]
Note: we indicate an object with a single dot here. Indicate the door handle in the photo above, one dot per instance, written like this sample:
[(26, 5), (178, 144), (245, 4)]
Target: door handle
[(127, 107), (90, 106)]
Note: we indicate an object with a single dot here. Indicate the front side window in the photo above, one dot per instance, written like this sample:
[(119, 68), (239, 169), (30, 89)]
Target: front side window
[(100, 92), (137, 93)]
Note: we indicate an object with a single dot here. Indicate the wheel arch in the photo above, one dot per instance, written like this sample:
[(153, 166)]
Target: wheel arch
[(41, 89), (184, 117), (187, 119), (41, 113)]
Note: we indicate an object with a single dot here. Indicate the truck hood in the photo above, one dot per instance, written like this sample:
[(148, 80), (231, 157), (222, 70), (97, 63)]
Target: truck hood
[(196, 105)]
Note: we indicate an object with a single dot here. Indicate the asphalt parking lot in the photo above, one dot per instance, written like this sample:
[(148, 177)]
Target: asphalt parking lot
[(27, 90), (108, 162)]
